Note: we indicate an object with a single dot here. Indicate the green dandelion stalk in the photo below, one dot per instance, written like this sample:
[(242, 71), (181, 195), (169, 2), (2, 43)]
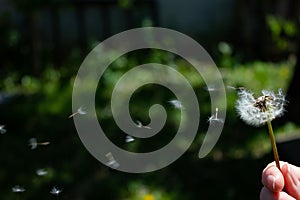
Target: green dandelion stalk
[(273, 144)]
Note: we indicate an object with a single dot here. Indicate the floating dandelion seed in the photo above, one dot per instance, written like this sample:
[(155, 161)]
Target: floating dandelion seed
[(177, 104), (41, 172), (55, 191), (234, 88), (214, 118), (140, 125), (80, 111), (261, 110), (229, 87), (129, 139), (211, 88), (33, 143), (2, 130), (111, 161), (18, 189)]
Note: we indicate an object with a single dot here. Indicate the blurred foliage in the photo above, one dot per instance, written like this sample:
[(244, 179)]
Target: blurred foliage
[(282, 32)]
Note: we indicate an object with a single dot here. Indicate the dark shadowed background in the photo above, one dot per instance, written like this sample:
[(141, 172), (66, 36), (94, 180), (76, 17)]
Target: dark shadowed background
[(255, 44)]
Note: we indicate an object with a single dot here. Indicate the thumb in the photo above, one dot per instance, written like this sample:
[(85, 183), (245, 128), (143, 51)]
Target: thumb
[(292, 184)]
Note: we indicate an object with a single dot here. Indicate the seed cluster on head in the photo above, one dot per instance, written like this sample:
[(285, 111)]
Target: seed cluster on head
[(257, 111)]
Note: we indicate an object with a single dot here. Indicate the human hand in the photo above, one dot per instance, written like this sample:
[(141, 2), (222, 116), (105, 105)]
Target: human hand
[(280, 185)]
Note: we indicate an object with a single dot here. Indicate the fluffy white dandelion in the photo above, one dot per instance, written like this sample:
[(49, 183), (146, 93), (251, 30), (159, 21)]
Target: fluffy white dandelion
[(257, 111), (18, 189), (55, 191), (34, 144), (80, 111), (261, 110), (41, 172), (2, 129)]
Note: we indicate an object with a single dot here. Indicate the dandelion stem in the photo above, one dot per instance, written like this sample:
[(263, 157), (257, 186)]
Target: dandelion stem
[(273, 143)]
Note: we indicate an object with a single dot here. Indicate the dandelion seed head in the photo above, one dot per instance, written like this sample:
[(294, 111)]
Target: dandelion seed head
[(257, 111), (18, 189)]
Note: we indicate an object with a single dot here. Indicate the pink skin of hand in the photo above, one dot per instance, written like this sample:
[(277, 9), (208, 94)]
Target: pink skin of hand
[(280, 185)]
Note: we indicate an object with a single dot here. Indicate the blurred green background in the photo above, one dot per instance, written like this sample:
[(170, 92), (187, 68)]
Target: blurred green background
[(42, 44)]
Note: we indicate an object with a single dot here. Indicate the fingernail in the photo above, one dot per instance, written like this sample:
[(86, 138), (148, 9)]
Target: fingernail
[(293, 175), (272, 179)]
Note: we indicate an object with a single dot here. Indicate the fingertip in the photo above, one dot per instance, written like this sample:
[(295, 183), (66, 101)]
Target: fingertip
[(272, 178)]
